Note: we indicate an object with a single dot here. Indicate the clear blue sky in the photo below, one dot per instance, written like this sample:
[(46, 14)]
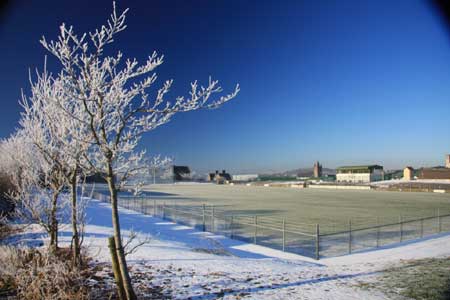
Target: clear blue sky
[(343, 82)]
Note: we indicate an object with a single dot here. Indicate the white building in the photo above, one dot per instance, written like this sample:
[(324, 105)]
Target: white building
[(245, 177), (408, 173), (359, 174)]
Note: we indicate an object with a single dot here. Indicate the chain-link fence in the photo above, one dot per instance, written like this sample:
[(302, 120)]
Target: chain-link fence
[(312, 240)]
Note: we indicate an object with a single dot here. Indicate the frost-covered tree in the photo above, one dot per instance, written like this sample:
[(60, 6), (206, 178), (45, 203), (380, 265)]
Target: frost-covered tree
[(59, 138), (52, 177), (118, 110), (37, 184), (158, 164)]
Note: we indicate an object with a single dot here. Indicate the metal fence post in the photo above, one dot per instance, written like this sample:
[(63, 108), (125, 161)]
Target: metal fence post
[(256, 229), (400, 220), (154, 208), (350, 236), (164, 211), (317, 242), (378, 232), (174, 211), (284, 234), (212, 218), (204, 217), (421, 228), (231, 226), (439, 220)]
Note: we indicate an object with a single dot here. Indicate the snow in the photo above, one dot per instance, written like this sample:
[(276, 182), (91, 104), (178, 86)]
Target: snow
[(180, 259), (403, 181)]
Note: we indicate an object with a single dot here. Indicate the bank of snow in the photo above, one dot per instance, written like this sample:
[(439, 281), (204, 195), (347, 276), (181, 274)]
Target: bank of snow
[(179, 259)]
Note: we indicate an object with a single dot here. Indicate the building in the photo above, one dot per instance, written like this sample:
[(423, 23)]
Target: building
[(408, 173), (317, 171), (435, 173), (181, 173), (245, 177), (219, 177), (359, 174)]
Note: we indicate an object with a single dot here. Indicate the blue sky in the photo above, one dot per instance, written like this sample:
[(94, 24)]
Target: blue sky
[(343, 82)]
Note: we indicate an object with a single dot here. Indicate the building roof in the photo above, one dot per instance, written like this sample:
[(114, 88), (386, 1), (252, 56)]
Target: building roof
[(437, 169), (181, 169), (363, 167)]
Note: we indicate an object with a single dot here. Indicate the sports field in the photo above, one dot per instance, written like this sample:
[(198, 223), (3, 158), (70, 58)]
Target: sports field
[(305, 205), (289, 218)]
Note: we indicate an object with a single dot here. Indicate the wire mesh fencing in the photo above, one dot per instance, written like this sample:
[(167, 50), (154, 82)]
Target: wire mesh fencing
[(312, 240), (357, 238)]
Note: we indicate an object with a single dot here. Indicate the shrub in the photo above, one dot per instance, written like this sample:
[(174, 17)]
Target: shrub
[(6, 206), (5, 229), (31, 274)]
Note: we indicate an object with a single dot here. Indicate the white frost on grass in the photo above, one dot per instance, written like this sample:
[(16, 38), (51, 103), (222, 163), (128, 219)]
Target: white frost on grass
[(179, 259)]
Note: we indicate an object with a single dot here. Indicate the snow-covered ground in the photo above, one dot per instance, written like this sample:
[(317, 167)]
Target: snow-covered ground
[(403, 181), (179, 259)]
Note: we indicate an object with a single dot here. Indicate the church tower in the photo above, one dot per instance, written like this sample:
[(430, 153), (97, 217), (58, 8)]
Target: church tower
[(317, 172)]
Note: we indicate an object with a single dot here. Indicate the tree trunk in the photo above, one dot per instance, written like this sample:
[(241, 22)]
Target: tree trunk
[(76, 253), (116, 269), (54, 223), (118, 240)]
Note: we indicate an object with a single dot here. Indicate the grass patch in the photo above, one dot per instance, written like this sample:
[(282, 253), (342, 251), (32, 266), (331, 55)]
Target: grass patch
[(425, 279)]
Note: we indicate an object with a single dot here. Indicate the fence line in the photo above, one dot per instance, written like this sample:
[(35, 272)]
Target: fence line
[(313, 240)]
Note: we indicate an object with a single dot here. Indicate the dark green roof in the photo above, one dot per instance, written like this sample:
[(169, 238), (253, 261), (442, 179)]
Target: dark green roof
[(364, 167)]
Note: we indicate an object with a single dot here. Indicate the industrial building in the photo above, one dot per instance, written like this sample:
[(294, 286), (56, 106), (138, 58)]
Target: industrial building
[(437, 172), (359, 174)]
